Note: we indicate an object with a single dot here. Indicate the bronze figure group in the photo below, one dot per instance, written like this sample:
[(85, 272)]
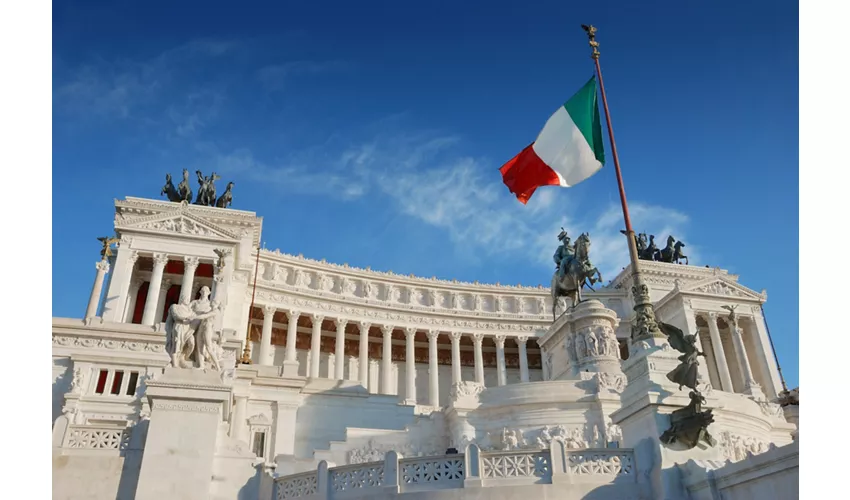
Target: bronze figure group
[(648, 250), (206, 190), (688, 425)]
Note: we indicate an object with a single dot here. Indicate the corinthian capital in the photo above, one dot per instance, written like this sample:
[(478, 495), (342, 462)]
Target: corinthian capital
[(269, 310), (160, 259)]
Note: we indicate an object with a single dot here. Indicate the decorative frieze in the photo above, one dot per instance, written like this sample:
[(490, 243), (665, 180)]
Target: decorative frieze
[(113, 344)]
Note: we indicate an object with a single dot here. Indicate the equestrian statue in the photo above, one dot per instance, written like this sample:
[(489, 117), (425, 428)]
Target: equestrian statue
[(573, 270)]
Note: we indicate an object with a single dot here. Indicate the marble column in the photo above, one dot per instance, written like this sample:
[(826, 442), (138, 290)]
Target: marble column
[(107, 284), (478, 339), (500, 359), (455, 338), (159, 261), (290, 363), (316, 345), (130, 304), (123, 273), (386, 359), (544, 366), (266, 340), (363, 363), (710, 360), (523, 358), (750, 384), (766, 354), (719, 354), (339, 352), (94, 299), (433, 367), (160, 303), (409, 366), (190, 265)]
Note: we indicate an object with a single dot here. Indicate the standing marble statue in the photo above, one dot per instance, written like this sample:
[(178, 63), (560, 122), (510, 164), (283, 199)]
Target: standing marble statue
[(189, 332)]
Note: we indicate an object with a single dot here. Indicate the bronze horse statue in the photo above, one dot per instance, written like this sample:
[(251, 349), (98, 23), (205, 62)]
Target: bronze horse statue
[(579, 273), (170, 190), (184, 189), (226, 198), (672, 253)]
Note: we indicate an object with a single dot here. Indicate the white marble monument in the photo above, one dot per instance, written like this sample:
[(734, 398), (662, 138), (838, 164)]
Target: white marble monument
[(373, 384)]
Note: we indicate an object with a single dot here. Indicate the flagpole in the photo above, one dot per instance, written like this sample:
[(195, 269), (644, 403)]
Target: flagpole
[(246, 351), (645, 323)]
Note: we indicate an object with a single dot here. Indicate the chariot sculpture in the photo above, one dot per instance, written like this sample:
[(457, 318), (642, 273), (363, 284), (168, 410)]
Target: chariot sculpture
[(206, 190), (648, 250)]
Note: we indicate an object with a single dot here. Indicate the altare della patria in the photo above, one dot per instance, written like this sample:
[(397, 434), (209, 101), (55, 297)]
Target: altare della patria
[(355, 383)]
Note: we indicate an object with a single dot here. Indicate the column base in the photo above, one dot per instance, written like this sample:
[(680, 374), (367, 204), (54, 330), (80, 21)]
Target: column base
[(409, 402), (753, 390), (290, 368)]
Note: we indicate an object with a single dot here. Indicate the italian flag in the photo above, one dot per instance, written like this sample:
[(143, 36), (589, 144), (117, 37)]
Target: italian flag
[(567, 151)]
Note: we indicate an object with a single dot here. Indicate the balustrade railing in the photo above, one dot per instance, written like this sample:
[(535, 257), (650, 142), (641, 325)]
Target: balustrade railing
[(473, 469), (88, 437)]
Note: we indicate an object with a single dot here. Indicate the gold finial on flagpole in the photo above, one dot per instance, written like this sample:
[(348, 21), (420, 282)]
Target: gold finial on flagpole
[(591, 35)]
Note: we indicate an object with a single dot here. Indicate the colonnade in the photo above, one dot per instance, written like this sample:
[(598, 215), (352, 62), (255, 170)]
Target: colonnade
[(264, 356), (737, 359), (158, 286)]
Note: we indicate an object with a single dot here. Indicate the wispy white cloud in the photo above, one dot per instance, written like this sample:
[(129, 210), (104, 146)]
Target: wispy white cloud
[(425, 180), (275, 77), (118, 88)]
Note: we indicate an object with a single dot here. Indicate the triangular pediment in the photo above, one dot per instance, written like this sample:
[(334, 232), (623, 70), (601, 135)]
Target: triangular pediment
[(180, 222), (720, 287)]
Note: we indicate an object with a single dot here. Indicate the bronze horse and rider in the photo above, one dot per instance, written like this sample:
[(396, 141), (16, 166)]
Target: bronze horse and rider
[(573, 270)]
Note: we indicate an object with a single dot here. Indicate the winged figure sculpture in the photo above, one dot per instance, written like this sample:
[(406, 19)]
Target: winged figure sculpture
[(686, 373)]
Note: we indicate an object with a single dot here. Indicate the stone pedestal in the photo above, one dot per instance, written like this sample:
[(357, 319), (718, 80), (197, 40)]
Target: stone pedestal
[(647, 402), (583, 341), (187, 406)]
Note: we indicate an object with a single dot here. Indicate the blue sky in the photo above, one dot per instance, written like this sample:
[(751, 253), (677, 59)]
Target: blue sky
[(371, 132)]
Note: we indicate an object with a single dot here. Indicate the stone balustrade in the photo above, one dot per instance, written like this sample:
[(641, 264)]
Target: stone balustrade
[(472, 469), (96, 438)]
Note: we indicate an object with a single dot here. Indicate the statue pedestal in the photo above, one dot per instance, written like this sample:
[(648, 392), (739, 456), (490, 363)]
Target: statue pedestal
[(187, 407), (647, 404), (583, 342)]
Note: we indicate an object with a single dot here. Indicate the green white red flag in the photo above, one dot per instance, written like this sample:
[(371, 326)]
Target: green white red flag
[(568, 150)]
